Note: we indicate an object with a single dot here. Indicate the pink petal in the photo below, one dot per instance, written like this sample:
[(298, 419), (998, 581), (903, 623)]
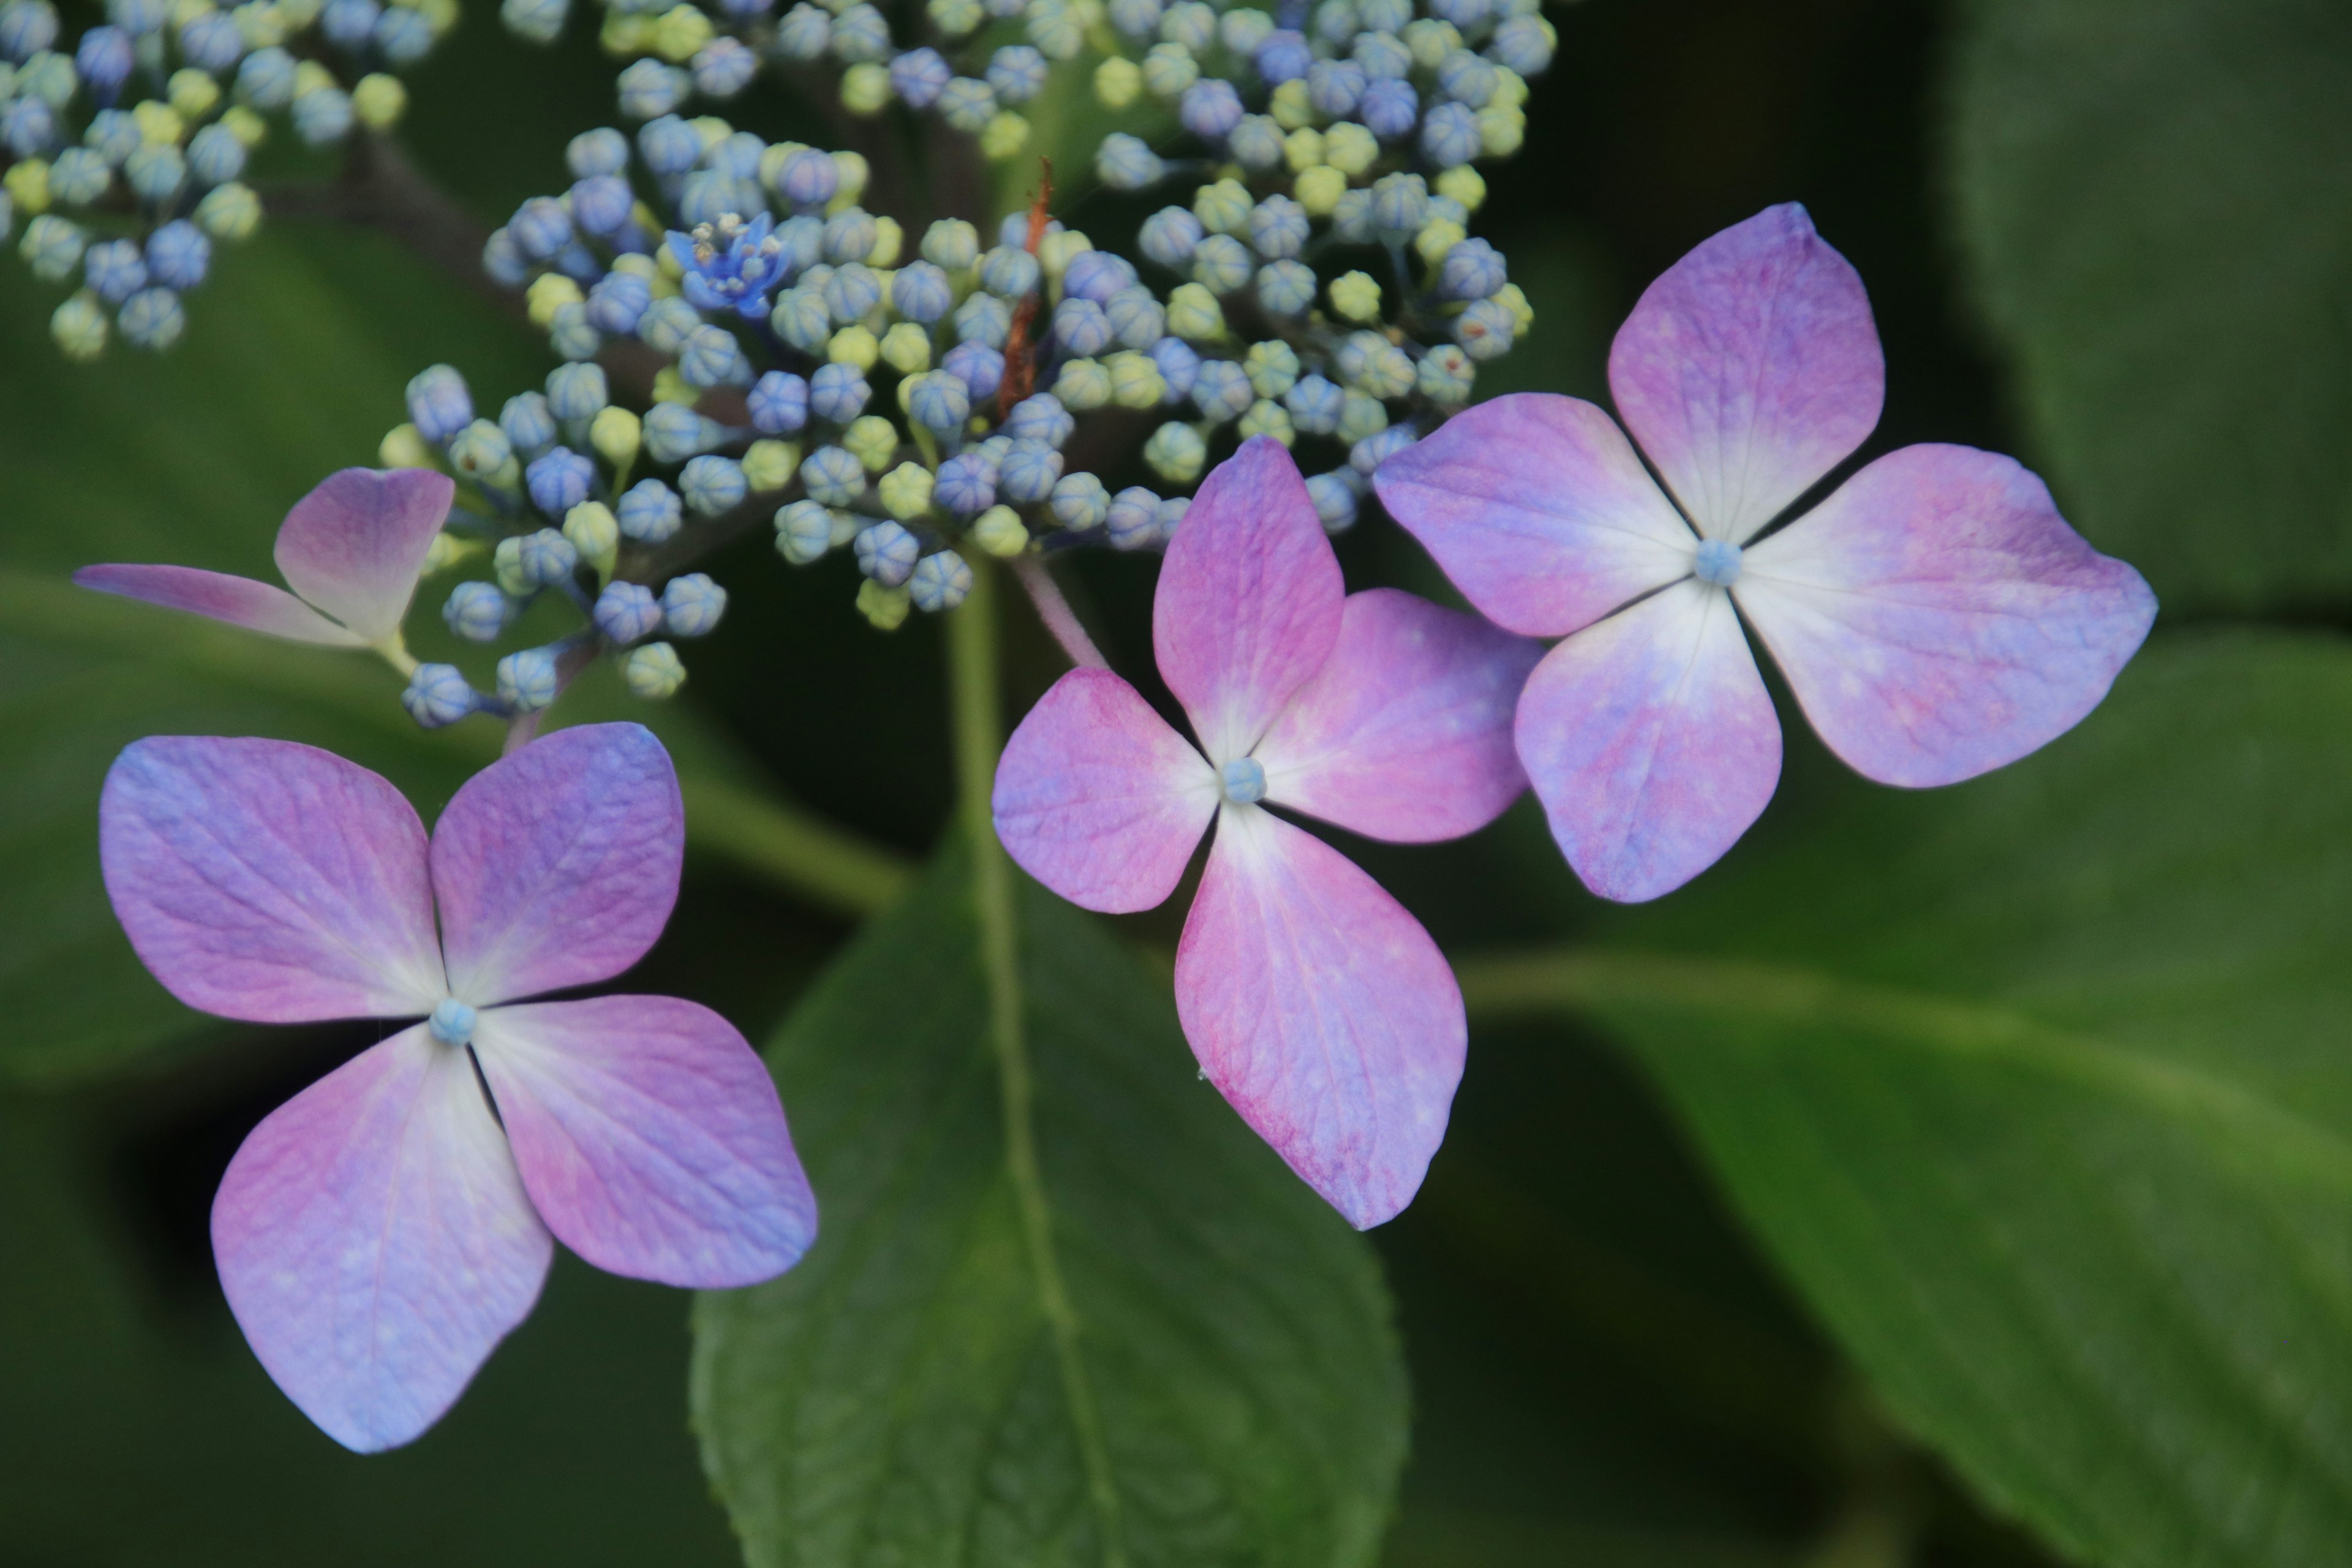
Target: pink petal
[(1748, 370), (1322, 1011), (558, 866), (1097, 798), (374, 1241), (1651, 743), (355, 545), (1937, 617), (265, 880), (1406, 734), (650, 1138), (1248, 605), (240, 601), (1538, 510)]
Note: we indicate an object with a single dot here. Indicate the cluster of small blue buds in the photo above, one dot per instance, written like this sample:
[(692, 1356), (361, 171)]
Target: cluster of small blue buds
[(122, 194)]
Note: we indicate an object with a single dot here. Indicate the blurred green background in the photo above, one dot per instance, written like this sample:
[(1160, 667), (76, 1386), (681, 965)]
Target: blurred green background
[(1693, 1282)]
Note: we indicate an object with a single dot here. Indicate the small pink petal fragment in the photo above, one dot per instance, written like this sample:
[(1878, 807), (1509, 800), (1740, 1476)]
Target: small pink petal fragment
[(240, 601), (1322, 1011), (650, 1138), (1937, 617), (1098, 799), (1538, 510), (1406, 734), (1248, 605), (1651, 743), (269, 881), (1749, 369), (558, 866), (355, 545), (375, 1243)]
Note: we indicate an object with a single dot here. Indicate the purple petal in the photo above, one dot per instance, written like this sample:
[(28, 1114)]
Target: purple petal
[(1538, 510), (1097, 798), (1748, 370), (355, 545), (1322, 1011), (265, 880), (1651, 743), (1937, 617), (650, 1138), (374, 1241), (1406, 734), (558, 866), (1248, 605), (240, 601)]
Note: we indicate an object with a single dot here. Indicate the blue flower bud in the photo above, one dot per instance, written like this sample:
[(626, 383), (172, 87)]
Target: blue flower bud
[(1191, 24), (1384, 56), (576, 393), (1133, 518), (26, 126), (724, 67), (833, 476), (1169, 69), (860, 36), (1054, 27), (939, 581), (779, 403), (918, 77), (985, 321), (1389, 109), (713, 485), (403, 35), (323, 115), (601, 205), (349, 24), (1284, 57), (529, 423), (503, 259), (1485, 329), (438, 403), (628, 612), (967, 104), (664, 324), (115, 269), (940, 401), (1135, 18), (674, 433), (1124, 162), (978, 366), (571, 334), (1040, 418), (1221, 390), (1170, 237), (26, 27), (1335, 500), (1080, 502), (804, 33), (838, 392), (1314, 404), (1400, 204), (1450, 135), (1180, 366), (215, 156), (1209, 108), (53, 247), (799, 317), (668, 145), (809, 178), (617, 303), (1525, 44), (156, 174), (1278, 227), (604, 150), (1081, 328), (1222, 264), (103, 60), (1017, 73), (1336, 87), (545, 556), (1369, 454), (1256, 142), (951, 244), (849, 236), (709, 357), (1028, 472), (212, 41), (649, 512), (1137, 318), (153, 318), (919, 291), (1098, 275), (1463, 14), (535, 21), (1467, 78), (527, 680), (1335, 21), (478, 612), (1172, 510), (1008, 273), (649, 88), (803, 532), (887, 553), (560, 480), (436, 695), (1351, 218), (1285, 287), (178, 255), (966, 485), (112, 134), (1383, 16), (1473, 269), (542, 228)]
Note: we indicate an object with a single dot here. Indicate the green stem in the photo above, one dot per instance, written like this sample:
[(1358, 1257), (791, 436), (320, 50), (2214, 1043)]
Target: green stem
[(979, 737)]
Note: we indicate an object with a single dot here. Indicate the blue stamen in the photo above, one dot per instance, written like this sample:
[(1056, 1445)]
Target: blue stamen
[(452, 1022), (1245, 780), (1718, 562)]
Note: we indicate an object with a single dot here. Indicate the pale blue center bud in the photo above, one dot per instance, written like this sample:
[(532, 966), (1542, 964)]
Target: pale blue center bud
[(1717, 563), (940, 582), (452, 1022), (692, 604), (436, 695), (1243, 781)]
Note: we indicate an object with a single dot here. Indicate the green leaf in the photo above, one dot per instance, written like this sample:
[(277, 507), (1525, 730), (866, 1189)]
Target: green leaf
[(2150, 195), (897, 1397), (2040, 1088)]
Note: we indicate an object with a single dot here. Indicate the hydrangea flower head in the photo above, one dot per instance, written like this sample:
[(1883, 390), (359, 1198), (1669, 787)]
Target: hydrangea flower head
[(731, 265), (381, 1232), (352, 550), (1314, 1002), (1935, 616)]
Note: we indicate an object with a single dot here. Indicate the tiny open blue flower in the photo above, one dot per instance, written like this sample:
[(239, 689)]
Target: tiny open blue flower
[(887, 553), (939, 581), (838, 392), (966, 485), (438, 404), (729, 264), (628, 612), (978, 366), (618, 302), (713, 485), (649, 512), (1028, 472), (478, 612), (779, 403), (1389, 109), (560, 480), (529, 423), (1040, 417), (437, 695)]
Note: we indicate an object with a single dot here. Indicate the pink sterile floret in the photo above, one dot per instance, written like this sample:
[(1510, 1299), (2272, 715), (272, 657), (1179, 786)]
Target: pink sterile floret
[(381, 1232), (1319, 1008), (1934, 617)]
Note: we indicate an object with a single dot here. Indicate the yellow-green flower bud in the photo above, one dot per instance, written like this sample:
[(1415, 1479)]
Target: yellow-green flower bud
[(853, 345), (404, 447), (670, 385), (160, 124), (1437, 237), (873, 441), (79, 327), (889, 240), (594, 532), (1291, 107), (550, 292), (626, 33), (1510, 87), (865, 88), (906, 492), (1431, 40), (1355, 297), (27, 186), (616, 433), (191, 93), (769, 464), (446, 551), (230, 212), (1194, 314), (1118, 82), (1224, 208), (1056, 251), (851, 174), (1501, 131), (885, 607), (1350, 149), (1511, 298), (1267, 417), (681, 31), (1136, 381), (1003, 136), (907, 349), (245, 125), (1464, 184), (310, 76), (1000, 531), (1318, 189), (1360, 415), (1082, 384), (653, 672), (378, 100)]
